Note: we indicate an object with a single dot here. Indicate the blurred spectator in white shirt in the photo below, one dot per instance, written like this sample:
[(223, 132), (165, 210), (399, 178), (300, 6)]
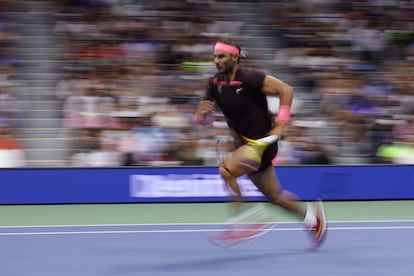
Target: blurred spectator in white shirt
[(11, 150)]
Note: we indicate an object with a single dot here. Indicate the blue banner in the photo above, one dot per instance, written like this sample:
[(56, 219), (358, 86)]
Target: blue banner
[(197, 184)]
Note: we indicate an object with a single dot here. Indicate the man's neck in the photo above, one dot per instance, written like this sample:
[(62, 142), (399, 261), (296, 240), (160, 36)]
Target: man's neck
[(229, 76)]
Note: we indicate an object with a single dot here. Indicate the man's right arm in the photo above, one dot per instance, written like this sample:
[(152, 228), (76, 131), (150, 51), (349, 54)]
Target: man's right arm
[(203, 114)]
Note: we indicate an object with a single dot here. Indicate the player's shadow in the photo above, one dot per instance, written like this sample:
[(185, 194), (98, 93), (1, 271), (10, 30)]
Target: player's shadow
[(212, 261), (220, 262)]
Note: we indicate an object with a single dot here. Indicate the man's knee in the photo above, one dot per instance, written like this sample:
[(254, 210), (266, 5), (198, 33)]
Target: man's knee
[(225, 173)]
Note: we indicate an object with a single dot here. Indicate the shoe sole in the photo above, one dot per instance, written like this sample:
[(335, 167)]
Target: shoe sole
[(321, 211), (230, 242)]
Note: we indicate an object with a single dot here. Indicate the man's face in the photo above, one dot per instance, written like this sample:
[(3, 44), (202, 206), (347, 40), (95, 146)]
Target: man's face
[(224, 61)]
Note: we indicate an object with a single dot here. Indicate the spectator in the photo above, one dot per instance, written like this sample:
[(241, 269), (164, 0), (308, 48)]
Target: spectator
[(11, 150)]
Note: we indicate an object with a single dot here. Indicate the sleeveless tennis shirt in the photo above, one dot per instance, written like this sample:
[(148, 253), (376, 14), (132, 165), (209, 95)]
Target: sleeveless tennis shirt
[(242, 102), (245, 107)]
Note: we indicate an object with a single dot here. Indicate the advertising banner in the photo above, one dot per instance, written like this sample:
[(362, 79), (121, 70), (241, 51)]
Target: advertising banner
[(197, 184)]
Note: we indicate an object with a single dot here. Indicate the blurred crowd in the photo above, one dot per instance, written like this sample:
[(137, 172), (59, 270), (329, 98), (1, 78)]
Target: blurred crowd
[(133, 71), (353, 61)]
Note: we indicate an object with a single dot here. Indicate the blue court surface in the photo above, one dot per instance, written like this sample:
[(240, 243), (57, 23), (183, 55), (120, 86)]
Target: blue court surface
[(351, 249)]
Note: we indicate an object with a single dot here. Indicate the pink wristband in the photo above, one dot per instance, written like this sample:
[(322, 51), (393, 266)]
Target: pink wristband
[(284, 114)]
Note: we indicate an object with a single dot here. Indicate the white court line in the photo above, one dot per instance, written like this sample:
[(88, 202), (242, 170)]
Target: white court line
[(190, 231), (188, 224)]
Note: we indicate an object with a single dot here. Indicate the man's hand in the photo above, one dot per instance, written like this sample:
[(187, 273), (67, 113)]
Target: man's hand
[(204, 112), (278, 130)]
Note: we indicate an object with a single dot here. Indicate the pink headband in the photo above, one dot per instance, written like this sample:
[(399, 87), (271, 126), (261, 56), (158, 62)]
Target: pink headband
[(231, 49)]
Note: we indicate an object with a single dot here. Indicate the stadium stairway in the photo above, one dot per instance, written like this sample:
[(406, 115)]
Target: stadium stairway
[(45, 141)]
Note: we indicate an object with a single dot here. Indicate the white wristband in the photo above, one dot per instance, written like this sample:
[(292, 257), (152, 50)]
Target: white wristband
[(269, 139)]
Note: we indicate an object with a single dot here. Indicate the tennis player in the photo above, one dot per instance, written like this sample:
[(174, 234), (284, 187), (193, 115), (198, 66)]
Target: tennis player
[(240, 94)]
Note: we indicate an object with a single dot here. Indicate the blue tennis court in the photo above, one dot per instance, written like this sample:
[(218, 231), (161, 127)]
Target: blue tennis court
[(352, 248)]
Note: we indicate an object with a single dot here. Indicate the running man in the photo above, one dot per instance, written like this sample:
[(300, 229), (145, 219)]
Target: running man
[(240, 94)]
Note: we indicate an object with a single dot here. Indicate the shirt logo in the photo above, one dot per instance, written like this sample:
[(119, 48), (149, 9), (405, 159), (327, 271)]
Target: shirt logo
[(239, 90)]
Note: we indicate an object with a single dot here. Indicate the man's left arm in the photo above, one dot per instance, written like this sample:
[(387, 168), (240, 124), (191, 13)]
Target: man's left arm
[(273, 86)]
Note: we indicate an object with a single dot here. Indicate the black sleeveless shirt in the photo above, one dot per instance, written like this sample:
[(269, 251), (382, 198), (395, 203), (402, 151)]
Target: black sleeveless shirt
[(242, 102)]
